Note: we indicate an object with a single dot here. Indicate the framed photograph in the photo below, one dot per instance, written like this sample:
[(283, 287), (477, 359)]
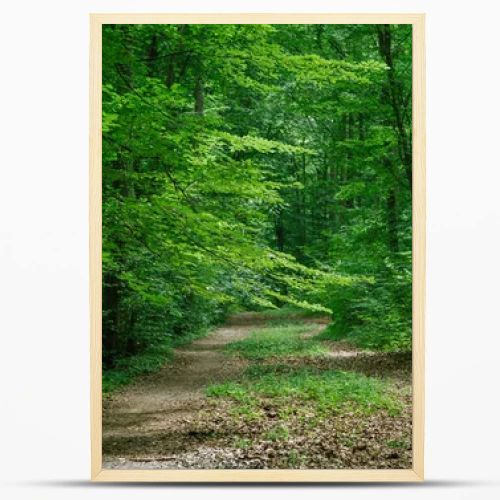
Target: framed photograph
[(257, 247)]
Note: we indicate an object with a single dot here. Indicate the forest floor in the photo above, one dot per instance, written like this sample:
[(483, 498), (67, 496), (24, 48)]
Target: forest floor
[(264, 392)]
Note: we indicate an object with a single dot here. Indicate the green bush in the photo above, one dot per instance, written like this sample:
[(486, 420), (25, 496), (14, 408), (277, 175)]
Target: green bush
[(374, 314)]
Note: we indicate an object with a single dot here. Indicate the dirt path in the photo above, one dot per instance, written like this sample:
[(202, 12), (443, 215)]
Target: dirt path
[(162, 400), (155, 409), (163, 420)]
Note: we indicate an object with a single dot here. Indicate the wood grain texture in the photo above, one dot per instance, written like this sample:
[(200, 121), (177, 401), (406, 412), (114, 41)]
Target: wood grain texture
[(95, 223), (276, 18), (419, 252), (261, 476), (418, 234)]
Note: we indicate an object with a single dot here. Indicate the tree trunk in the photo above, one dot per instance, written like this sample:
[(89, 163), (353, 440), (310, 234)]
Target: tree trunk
[(280, 231), (396, 101), (199, 95), (111, 306), (170, 78)]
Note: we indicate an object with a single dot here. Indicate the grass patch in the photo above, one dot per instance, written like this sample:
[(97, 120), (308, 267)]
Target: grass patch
[(128, 369), (242, 443), (326, 390), (397, 443), (283, 339), (278, 433), (294, 459), (290, 311), (249, 410)]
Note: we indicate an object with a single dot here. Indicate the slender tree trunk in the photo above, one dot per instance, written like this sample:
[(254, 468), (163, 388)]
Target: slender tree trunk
[(199, 95), (131, 346), (152, 55), (171, 74), (170, 78), (392, 221), (110, 323), (349, 134), (303, 208), (396, 101), (280, 231)]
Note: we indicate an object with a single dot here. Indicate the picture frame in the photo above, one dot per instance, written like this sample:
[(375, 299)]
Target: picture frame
[(418, 264)]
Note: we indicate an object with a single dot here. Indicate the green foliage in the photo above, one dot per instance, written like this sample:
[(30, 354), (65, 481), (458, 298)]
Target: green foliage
[(325, 391), (374, 315), (254, 166), (127, 369), (149, 360), (275, 341)]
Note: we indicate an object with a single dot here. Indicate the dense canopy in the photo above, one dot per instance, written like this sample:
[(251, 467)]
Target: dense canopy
[(251, 167)]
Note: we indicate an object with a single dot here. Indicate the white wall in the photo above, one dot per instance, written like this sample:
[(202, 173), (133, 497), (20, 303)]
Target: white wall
[(44, 448)]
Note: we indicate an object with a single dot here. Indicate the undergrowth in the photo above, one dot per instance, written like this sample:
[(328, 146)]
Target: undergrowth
[(289, 311), (275, 340), (323, 390), (127, 369), (371, 336)]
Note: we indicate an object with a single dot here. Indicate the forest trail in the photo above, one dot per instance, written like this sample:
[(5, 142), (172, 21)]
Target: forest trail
[(164, 401), (203, 207), (166, 420)]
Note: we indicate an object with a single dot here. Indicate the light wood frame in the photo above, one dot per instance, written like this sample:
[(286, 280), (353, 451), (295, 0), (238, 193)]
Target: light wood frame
[(312, 475)]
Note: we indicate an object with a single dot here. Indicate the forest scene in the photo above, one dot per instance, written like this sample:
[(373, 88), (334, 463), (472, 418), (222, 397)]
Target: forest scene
[(257, 246)]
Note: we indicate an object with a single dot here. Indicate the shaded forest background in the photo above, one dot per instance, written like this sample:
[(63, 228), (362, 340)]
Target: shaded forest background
[(254, 167)]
